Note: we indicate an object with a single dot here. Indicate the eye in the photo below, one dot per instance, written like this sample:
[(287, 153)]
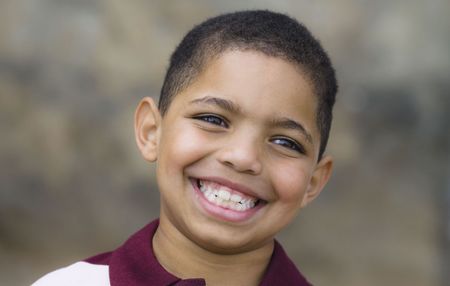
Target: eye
[(289, 144), (212, 119)]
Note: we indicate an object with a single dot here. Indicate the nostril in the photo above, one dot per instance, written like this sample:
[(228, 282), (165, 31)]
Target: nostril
[(228, 163)]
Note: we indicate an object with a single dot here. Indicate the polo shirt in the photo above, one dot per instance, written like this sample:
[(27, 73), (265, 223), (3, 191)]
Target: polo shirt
[(134, 264)]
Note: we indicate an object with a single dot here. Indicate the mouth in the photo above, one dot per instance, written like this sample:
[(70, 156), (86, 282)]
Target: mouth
[(226, 200), (225, 197)]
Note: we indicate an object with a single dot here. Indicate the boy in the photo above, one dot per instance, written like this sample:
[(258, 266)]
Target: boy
[(238, 139)]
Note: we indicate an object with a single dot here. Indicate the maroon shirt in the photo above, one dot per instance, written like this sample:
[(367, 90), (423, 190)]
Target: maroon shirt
[(134, 263)]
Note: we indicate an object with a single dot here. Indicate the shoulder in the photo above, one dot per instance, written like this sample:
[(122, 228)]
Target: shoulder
[(80, 273)]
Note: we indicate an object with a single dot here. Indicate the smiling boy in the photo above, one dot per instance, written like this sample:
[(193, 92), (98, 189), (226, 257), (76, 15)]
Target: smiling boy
[(238, 138)]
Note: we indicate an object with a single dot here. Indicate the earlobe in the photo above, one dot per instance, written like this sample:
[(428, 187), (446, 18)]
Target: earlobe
[(147, 120), (319, 179)]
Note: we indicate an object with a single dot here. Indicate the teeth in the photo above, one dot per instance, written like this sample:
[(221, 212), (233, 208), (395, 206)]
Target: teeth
[(220, 196), (235, 198), (224, 195)]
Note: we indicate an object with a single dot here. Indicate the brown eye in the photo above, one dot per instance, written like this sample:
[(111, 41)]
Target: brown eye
[(289, 144), (212, 119)]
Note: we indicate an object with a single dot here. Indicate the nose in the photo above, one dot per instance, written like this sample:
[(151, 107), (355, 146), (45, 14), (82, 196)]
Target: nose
[(241, 154)]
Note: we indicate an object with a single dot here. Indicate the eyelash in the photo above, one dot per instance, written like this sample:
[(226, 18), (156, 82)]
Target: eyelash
[(212, 119), (289, 144)]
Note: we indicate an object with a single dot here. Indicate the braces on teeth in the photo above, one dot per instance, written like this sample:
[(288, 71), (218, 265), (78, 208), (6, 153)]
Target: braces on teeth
[(224, 198)]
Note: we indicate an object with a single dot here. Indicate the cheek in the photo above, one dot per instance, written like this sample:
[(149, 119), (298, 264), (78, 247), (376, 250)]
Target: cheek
[(291, 183), (180, 147)]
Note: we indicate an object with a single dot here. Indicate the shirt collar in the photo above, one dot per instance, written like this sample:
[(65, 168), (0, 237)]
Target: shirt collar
[(134, 263)]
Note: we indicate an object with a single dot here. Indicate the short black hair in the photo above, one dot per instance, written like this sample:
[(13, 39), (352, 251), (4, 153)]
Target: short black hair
[(271, 33)]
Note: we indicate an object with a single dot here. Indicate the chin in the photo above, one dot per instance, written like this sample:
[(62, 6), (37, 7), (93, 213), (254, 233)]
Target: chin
[(224, 241)]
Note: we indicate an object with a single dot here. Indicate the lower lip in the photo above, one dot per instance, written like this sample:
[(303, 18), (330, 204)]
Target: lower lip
[(220, 212)]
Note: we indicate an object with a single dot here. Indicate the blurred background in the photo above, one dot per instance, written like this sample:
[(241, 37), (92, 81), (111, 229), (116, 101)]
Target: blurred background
[(72, 183)]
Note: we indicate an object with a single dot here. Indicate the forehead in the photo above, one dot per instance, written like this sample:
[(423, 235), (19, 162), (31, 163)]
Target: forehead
[(262, 86)]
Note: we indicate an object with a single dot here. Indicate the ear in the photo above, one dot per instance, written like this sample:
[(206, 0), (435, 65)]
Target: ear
[(147, 122), (319, 179)]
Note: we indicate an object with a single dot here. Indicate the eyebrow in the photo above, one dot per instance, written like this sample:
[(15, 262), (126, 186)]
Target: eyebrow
[(287, 123), (282, 122), (222, 103)]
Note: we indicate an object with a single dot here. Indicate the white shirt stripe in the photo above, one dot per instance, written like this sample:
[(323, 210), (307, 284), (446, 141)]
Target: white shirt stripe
[(77, 274)]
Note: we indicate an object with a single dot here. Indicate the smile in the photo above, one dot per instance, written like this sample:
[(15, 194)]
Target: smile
[(225, 197), (225, 200)]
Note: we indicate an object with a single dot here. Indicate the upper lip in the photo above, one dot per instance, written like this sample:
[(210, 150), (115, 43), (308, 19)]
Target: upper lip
[(232, 185)]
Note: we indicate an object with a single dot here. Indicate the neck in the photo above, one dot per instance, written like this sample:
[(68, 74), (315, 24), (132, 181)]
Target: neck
[(185, 259)]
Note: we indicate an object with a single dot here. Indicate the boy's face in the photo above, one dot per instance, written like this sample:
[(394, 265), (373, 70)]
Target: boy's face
[(236, 152)]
